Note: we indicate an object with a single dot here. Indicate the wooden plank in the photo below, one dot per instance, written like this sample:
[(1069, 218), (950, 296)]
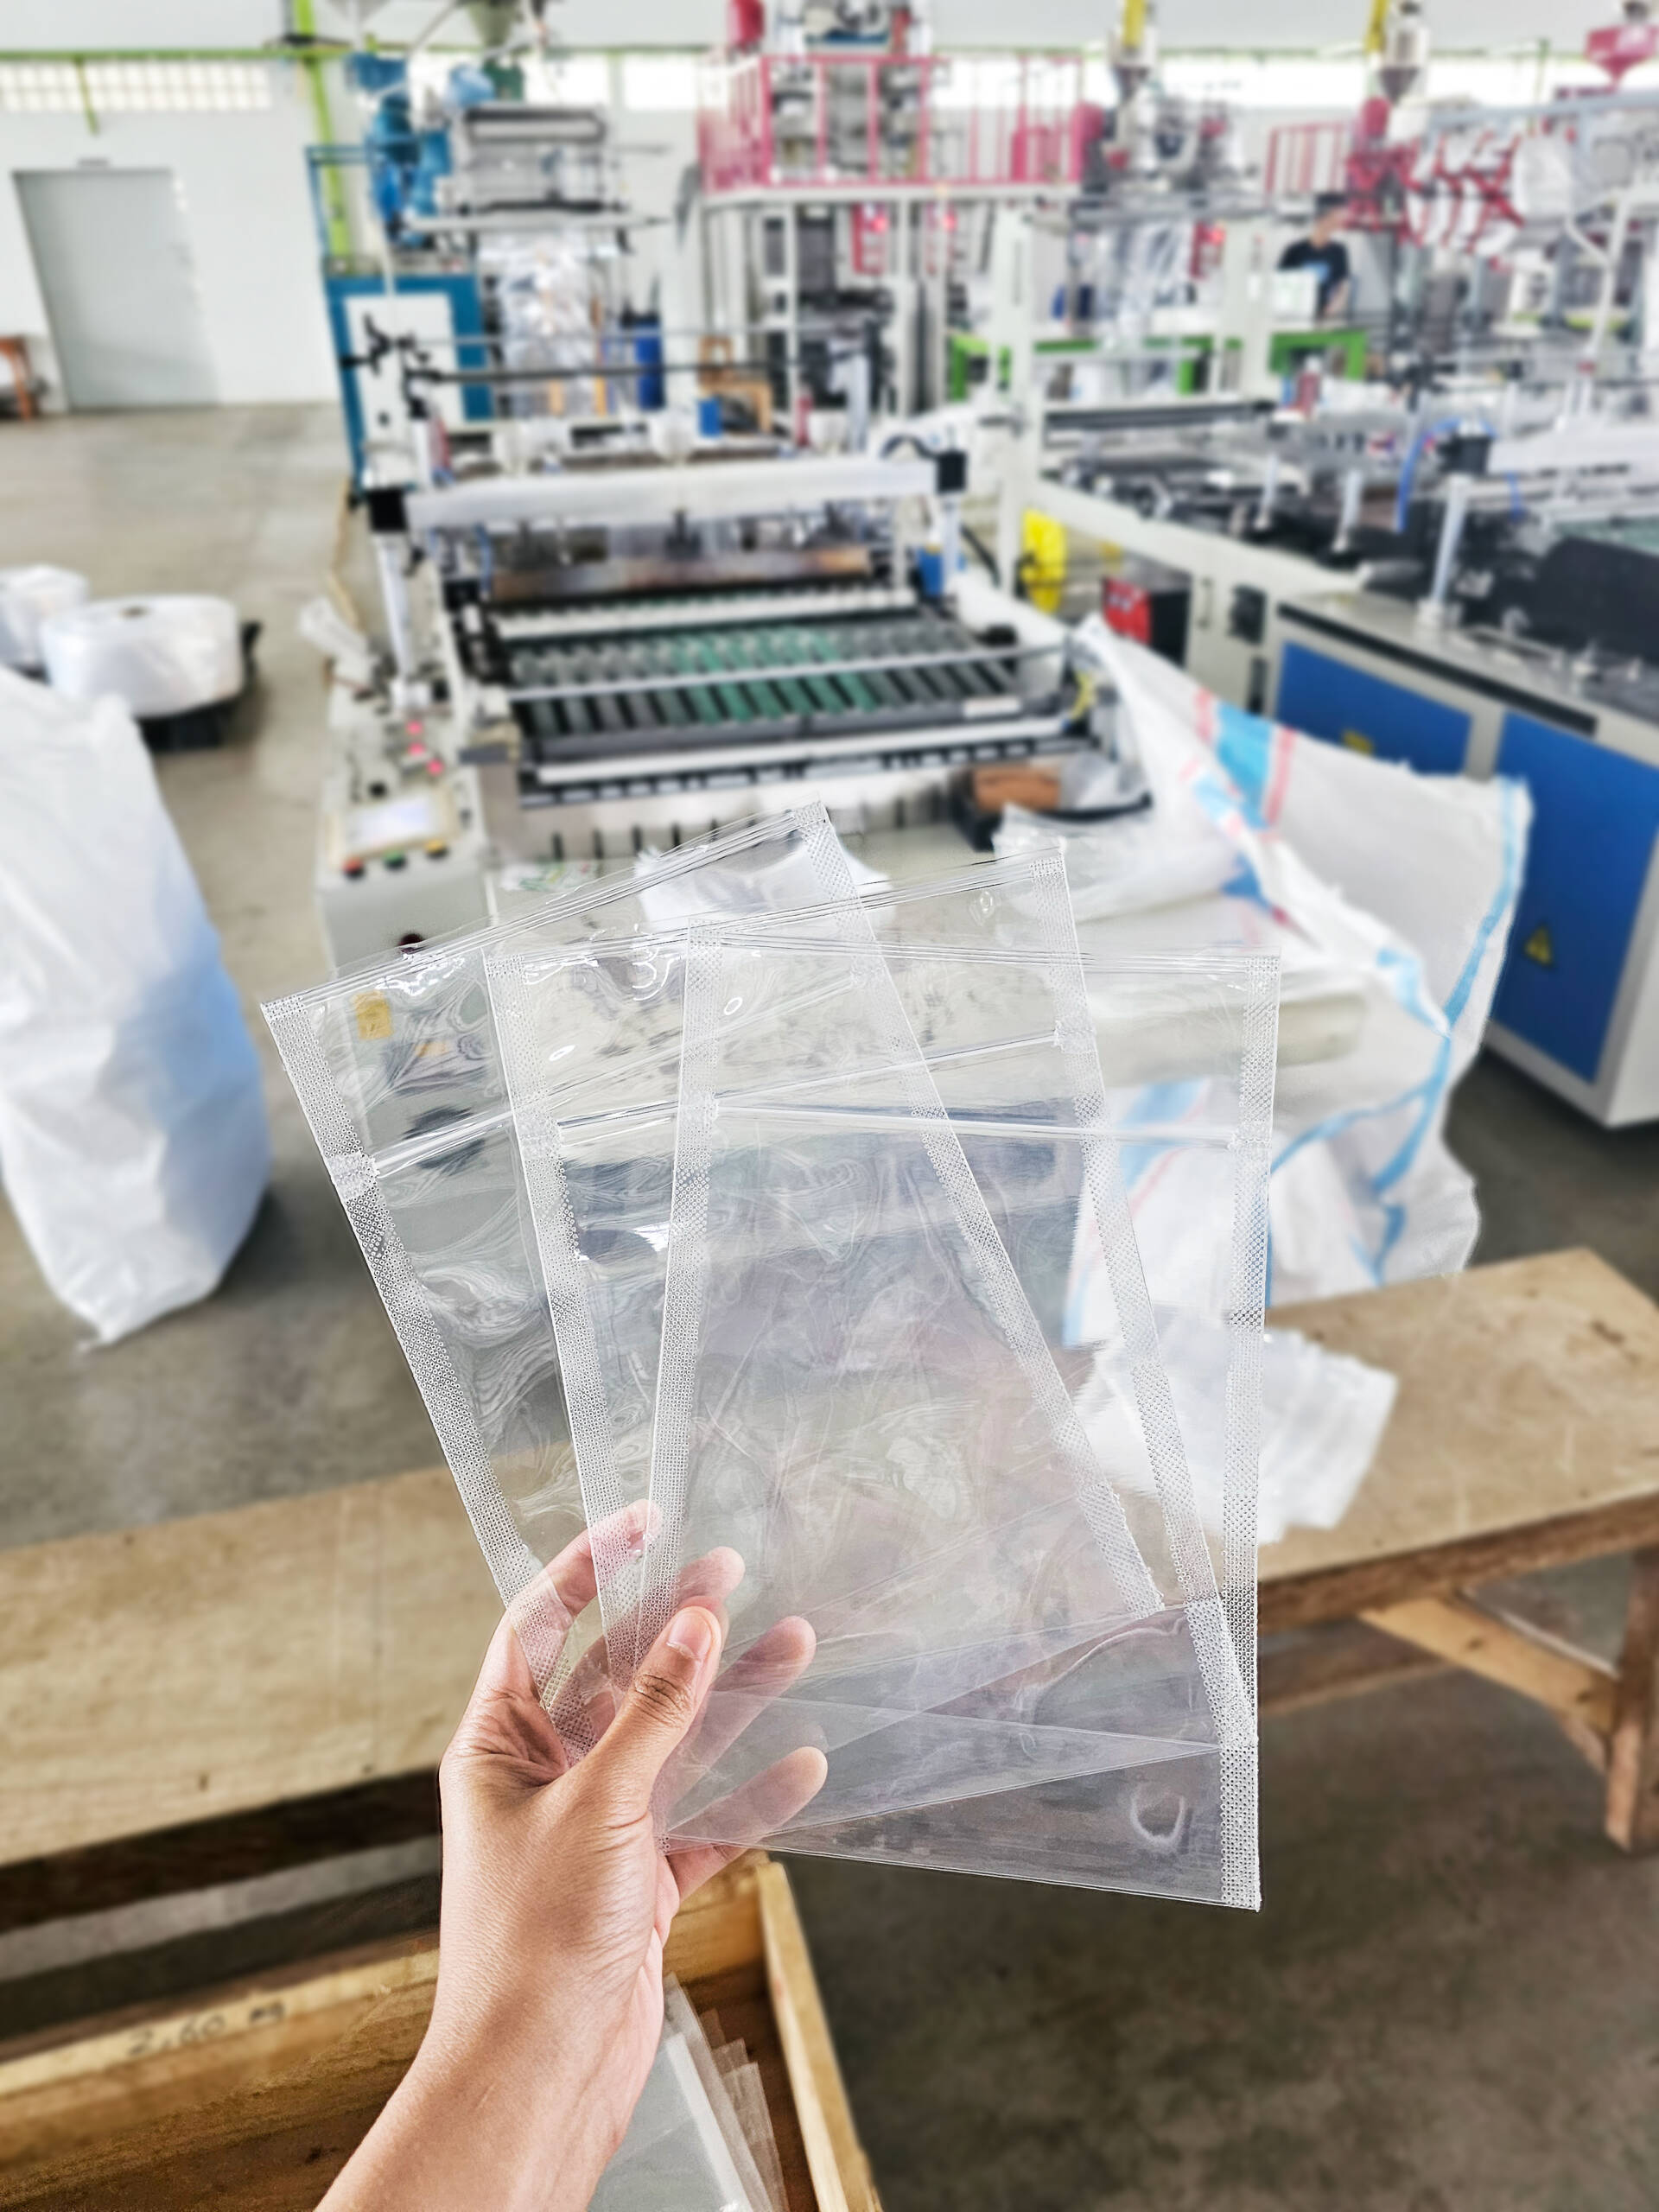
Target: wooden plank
[(311, 1644), (1526, 1433), (840, 2173), (208, 1665), (1340, 1659), (182, 2088), (1350, 1593), (166, 2109), (235, 1846), (198, 2038), (1633, 1745), (1568, 1683)]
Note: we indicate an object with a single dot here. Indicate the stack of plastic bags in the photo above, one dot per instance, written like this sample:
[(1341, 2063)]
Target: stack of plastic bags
[(700, 2139), (731, 1220)]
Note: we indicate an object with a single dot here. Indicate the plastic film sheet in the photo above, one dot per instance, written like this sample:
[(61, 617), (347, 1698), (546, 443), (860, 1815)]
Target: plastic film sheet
[(943, 1596), (1112, 1736), (680, 2018), (397, 1067), (29, 598), (598, 1181), (1187, 1047), (675, 2155), (1002, 1044)]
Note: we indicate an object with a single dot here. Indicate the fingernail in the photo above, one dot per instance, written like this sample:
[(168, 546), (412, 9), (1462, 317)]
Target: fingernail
[(692, 1633)]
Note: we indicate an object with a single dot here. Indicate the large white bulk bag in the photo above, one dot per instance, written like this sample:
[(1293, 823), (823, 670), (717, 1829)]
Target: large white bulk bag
[(1406, 882), (159, 657), (29, 598), (133, 1144)]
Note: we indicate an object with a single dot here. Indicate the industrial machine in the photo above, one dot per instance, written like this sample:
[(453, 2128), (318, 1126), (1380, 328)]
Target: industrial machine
[(1466, 585), (1424, 529), (595, 660), (1550, 677), (492, 232), (850, 182)]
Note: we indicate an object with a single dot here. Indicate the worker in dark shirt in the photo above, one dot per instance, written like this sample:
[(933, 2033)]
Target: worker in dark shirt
[(1324, 252)]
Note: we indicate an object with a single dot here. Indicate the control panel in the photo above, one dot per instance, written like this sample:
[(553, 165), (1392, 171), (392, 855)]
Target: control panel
[(402, 853)]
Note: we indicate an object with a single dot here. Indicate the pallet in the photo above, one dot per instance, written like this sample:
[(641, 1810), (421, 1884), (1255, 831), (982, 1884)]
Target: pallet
[(254, 2096)]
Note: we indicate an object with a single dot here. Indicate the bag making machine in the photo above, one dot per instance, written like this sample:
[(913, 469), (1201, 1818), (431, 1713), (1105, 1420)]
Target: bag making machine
[(593, 661)]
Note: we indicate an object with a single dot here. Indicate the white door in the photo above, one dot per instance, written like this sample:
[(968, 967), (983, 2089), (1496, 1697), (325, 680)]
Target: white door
[(116, 271)]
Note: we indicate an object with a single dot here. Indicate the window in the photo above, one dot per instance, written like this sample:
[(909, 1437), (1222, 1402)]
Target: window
[(39, 88), (1265, 80), (570, 80), (132, 87), (967, 81), (666, 83)]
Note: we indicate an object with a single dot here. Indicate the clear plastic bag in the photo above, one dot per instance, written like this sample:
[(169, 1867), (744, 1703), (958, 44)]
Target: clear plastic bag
[(855, 1398), (1187, 1047), (675, 2157), (599, 1181), (397, 1067), (680, 2018), (400, 1071)]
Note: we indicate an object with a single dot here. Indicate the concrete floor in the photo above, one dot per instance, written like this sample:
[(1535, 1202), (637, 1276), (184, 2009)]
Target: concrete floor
[(290, 1379), (1451, 1996)]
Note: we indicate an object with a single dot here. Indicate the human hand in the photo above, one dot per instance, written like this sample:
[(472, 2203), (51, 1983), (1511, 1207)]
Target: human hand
[(556, 1904)]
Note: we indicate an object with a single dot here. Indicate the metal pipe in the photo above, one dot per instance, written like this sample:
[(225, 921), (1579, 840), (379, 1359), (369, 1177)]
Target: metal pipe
[(1353, 490), (1269, 493), (1432, 609), (950, 538), (389, 553)]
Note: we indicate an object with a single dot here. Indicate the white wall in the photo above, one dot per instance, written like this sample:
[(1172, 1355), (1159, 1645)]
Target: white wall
[(242, 177)]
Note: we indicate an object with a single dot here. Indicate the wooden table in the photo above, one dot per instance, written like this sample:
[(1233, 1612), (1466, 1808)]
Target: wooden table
[(258, 1681), (1525, 1435)]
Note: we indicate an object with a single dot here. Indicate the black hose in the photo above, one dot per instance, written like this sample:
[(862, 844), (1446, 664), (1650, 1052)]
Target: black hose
[(977, 546)]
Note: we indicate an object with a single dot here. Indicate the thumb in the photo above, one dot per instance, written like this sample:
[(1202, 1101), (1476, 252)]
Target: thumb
[(666, 1695)]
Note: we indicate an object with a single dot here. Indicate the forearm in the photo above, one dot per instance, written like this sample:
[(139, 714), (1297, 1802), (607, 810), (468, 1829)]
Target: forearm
[(456, 2136)]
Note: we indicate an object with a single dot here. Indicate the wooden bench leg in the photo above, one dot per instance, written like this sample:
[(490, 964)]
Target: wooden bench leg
[(1579, 1690), (1633, 1748)]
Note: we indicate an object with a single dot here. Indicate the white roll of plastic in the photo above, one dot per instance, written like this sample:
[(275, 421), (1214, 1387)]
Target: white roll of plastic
[(164, 656), (29, 597)]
